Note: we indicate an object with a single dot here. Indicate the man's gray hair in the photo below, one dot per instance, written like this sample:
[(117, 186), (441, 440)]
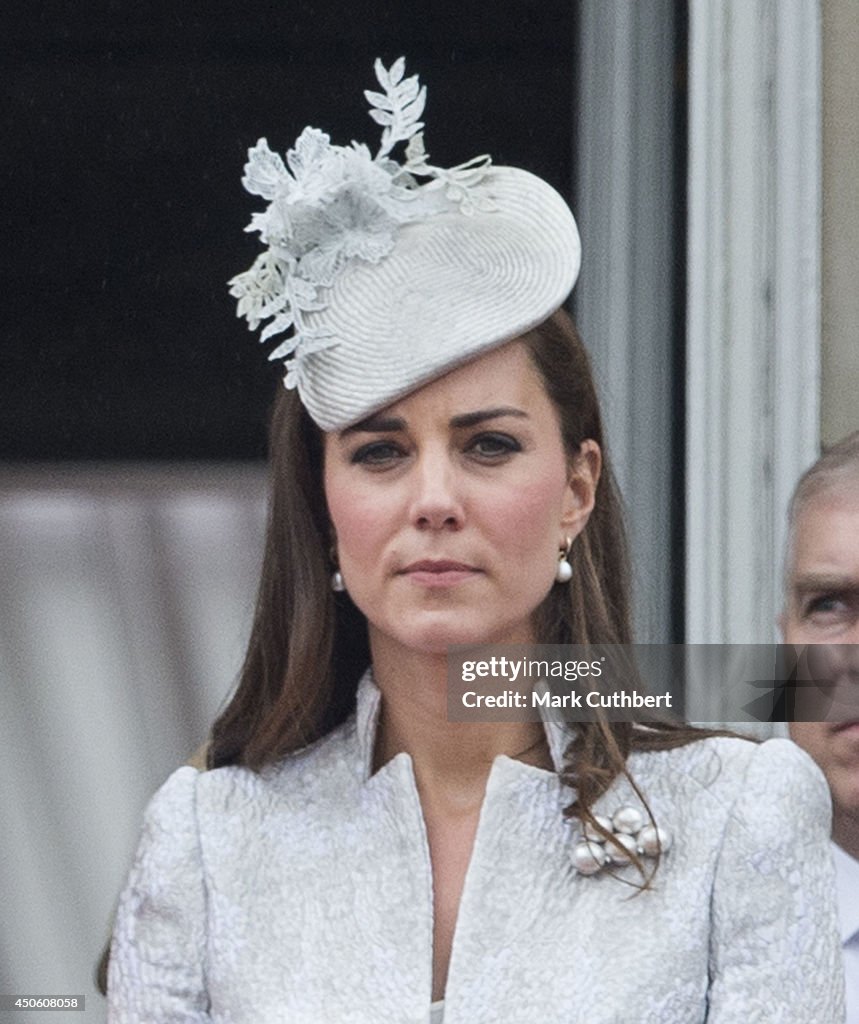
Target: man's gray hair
[(837, 467)]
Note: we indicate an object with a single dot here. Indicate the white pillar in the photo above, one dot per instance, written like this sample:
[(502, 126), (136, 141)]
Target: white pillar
[(753, 303)]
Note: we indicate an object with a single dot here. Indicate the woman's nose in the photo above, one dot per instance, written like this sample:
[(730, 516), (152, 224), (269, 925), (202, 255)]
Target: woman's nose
[(437, 499)]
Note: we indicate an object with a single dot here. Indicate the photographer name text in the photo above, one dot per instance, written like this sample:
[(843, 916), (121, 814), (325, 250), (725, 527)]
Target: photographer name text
[(546, 699)]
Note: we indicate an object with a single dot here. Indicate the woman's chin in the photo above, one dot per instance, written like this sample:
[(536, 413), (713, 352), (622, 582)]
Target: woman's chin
[(435, 635)]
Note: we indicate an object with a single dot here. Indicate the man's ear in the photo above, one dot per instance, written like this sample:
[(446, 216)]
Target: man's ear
[(584, 475)]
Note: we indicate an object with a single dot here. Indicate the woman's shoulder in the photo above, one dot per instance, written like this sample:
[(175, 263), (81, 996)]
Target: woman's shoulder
[(738, 777), (729, 758), (329, 764), (715, 762)]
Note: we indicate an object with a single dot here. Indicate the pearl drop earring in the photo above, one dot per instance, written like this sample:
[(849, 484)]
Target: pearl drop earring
[(564, 571), (337, 584)]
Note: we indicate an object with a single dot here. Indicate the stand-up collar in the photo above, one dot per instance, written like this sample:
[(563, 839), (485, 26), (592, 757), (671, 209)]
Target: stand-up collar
[(369, 705)]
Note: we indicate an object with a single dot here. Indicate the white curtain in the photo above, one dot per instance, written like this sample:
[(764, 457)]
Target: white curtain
[(125, 604), (624, 300)]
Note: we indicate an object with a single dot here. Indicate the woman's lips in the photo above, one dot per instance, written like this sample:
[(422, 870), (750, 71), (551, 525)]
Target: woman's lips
[(439, 572)]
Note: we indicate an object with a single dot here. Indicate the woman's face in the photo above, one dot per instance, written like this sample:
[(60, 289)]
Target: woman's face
[(449, 506)]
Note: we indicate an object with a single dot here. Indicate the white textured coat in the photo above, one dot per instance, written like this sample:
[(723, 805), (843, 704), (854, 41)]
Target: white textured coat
[(303, 895)]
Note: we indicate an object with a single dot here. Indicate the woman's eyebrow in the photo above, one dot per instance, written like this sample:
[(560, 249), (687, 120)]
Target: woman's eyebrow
[(470, 419), (389, 424), (375, 424)]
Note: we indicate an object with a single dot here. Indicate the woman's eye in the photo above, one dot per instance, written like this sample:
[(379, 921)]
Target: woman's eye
[(494, 446), (378, 453)]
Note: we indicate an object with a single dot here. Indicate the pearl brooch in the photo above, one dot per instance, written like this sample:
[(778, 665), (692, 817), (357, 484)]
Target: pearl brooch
[(622, 853), (653, 840), (592, 852), (591, 833), (628, 820), (588, 858)]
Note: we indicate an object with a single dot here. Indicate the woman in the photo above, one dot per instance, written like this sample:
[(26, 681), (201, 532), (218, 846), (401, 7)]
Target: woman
[(439, 477)]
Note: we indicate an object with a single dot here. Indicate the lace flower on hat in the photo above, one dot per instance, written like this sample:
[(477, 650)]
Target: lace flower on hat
[(330, 205)]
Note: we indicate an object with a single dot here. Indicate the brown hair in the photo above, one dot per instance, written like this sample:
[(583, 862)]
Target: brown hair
[(309, 648), (594, 607)]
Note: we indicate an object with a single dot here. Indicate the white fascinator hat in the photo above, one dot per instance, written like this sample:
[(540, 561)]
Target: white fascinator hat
[(384, 275)]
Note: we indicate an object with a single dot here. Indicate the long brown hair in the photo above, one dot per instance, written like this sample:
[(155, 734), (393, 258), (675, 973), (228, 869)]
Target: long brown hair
[(309, 648)]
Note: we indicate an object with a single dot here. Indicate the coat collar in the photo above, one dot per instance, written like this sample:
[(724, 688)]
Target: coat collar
[(369, 705)]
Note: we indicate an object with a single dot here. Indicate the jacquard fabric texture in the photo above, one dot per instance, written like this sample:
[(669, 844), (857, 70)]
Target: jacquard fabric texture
[(303, 895)]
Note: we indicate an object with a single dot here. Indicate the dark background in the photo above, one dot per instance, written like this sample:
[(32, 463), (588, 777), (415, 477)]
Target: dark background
[(126, 128)]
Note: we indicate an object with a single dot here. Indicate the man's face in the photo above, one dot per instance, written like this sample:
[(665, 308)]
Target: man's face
[(822, 607)]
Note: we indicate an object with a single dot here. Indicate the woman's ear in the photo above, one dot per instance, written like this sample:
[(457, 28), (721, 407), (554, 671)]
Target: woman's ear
[(584, 475)]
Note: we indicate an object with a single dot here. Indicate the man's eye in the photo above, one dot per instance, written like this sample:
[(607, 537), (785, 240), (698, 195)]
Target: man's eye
[(377, 453), (493, 446), (826, 606)]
